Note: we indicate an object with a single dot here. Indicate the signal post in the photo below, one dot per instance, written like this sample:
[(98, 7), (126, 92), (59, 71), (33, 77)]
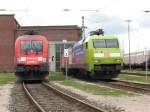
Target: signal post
[(66, 61)]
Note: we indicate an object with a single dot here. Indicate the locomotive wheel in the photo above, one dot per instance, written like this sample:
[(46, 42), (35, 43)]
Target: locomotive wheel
[(84, 73)]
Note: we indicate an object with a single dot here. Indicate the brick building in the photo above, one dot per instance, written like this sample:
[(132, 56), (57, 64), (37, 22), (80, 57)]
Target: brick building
[(10, 30)]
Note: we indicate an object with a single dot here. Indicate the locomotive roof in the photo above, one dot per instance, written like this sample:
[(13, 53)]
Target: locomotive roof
[(94, 37), (100, 37), (29, 36)]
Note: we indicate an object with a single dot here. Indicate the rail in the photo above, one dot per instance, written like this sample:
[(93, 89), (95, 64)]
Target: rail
[(38, 107)]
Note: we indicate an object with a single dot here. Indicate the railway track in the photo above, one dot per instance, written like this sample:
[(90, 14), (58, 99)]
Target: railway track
[(131, 86), (19, 101), (46, 98), (137, 73)]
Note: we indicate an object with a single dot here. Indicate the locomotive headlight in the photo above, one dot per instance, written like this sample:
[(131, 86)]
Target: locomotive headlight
[(43, 59), (20, 59), (118, 60), (97, 61)]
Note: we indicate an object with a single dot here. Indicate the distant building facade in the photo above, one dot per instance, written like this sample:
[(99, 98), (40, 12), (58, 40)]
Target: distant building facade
[(10, 30)]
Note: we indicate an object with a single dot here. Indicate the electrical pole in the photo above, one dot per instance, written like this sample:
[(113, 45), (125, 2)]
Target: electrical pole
[(83, 28)]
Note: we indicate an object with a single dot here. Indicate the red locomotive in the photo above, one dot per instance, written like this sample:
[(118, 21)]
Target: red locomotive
[(31, 57)]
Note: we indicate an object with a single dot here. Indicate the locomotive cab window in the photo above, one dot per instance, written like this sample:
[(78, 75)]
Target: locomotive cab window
[(99, 43), (105, 43), (112, 43), (31, 46)]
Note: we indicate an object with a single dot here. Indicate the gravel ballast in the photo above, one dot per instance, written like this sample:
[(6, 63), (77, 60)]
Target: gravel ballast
[(136, 103)]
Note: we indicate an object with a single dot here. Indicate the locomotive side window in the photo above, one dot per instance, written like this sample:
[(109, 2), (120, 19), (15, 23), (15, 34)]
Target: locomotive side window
[(105, 43), (86, 45), (31, 46)]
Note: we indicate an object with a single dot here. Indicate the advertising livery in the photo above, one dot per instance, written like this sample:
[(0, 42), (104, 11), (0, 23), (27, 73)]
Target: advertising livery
[(98, 57)]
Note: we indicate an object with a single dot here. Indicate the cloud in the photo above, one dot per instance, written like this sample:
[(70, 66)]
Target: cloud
[(144, 21)]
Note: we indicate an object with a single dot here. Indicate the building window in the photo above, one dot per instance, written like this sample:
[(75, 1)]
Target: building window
[(59, 53)]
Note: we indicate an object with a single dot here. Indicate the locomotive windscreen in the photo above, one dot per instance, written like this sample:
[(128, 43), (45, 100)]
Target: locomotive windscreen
[(105, 43), (31, 46)]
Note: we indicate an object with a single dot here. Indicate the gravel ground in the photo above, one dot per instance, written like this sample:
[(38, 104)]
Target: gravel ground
[(137, 103), (12, 99), (5, 92)]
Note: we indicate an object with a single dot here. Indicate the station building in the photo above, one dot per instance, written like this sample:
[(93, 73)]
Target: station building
[(59, 37)]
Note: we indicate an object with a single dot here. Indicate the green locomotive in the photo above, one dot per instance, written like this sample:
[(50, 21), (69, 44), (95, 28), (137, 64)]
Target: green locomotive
[(98, 57)]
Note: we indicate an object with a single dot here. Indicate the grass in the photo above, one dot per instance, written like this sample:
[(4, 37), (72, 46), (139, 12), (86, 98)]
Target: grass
[(6, 78), (134, 78), (91, 88), (57, 76), (95, 89)]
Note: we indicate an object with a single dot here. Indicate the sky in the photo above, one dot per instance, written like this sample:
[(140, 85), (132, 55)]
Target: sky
[(110, 15)]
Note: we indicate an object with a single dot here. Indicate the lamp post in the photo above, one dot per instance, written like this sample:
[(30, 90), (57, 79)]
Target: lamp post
[(146, 11), (146, 55), (128, 21)]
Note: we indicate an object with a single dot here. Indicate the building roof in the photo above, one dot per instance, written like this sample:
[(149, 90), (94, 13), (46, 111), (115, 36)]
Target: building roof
[(23, 28), (7, 14)]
